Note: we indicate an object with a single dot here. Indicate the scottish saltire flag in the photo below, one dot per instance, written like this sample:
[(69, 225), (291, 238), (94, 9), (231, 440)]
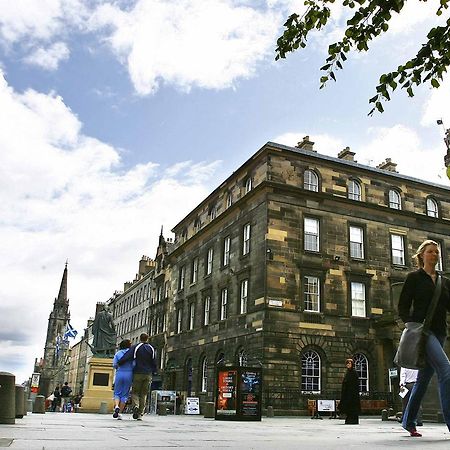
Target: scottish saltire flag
[(70, 332)]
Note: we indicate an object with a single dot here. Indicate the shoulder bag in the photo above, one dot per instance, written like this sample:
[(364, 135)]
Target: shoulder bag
[(411, 348)]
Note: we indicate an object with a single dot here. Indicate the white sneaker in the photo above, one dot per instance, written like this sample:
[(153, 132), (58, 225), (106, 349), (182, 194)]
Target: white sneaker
[(119, 417)]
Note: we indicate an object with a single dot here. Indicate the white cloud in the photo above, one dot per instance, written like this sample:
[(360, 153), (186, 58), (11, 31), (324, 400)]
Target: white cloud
[(65, 195), (437, 105), (32, 20), (188, 43), (50, 57)]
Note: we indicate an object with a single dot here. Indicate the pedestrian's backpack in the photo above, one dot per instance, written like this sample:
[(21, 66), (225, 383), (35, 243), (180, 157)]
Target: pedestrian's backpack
[(65, 391)]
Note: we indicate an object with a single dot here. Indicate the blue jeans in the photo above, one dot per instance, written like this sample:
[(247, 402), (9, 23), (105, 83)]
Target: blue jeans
[(438, 362)]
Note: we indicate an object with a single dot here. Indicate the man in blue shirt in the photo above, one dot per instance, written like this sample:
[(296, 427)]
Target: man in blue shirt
[(144, 356)]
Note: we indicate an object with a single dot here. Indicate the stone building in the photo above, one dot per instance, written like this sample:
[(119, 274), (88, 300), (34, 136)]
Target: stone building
[(54, 365), (293, 263)]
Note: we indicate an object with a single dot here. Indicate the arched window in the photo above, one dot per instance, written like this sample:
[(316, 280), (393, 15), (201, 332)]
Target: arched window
[(310, 181), (204, 386), (432, 207), (362, 369), (220, 361), (354, 190), (394, 199), (310, 371), (197, 224), (242, 358)]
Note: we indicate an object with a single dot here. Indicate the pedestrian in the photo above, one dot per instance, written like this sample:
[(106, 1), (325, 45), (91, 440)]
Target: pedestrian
[(122, 380), (350, 403), (56, 399), (415, 297), (408, 378), (66, 390), (144, 356)]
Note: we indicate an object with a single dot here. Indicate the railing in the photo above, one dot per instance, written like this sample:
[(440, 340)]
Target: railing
[(294, 399)]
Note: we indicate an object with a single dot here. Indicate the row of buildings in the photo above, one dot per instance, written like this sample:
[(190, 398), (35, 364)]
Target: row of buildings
[(292, 264)]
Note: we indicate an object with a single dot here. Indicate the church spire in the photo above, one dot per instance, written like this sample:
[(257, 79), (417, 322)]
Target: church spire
[(62, 295)]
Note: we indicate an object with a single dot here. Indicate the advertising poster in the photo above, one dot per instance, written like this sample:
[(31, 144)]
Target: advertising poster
[(192, 405), (250, 393), (35, 382), (226, 398)]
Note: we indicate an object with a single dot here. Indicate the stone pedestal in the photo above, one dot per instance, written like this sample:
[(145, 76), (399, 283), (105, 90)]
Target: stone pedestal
[(7, 398), (99, 385)]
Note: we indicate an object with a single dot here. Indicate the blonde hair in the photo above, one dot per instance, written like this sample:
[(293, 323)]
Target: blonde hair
[(418, 256)]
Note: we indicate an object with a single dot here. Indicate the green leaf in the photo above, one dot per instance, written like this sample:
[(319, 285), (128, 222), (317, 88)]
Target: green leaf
[(435, 83)]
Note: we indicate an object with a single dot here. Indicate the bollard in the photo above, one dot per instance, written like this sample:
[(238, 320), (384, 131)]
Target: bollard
[(103, 408), (30, 405), (384, 415), (439, 417), (24, 402), (208, 410), (7, 398), (39, 405), (19, 401), (162, 410), (270, 412)]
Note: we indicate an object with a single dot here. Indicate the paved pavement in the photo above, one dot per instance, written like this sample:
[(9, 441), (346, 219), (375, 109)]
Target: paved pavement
[(96, 431)]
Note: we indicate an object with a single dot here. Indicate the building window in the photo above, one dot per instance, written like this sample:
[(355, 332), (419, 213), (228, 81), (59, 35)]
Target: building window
[(213, 212), (358, 293), (179, 319), (229, 200), (244, 296), (197, 224), (194, 271), (181, 277), (394, 200), (398, 249), (248, 185), (209, 261), (356, 242), (362, 369), (226, 250), (204, 386), (311, 372), (223, 304), (242, 358), (159, 291), (432, 208), (246, 239), (191, 315), (310, 181), (163, 358), (311, 234), (206, 309), (166, 289), (354, 190), (312, 294)]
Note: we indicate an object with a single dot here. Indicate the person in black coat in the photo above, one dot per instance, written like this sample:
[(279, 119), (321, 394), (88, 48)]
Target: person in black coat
[(350, 403)]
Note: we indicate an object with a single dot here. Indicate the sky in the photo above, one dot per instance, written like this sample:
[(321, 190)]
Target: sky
[(119, 117)]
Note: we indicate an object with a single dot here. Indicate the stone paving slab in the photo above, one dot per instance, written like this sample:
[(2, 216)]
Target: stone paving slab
[(95, 431)]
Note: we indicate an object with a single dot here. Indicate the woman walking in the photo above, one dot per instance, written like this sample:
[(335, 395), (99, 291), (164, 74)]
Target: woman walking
[(350, 403), (123, 379), (415, 298)]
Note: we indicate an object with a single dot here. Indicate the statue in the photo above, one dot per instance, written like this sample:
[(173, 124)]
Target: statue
[(104, 344)]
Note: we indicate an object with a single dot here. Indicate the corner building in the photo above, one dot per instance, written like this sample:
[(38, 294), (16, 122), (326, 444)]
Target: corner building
[(294, 263)]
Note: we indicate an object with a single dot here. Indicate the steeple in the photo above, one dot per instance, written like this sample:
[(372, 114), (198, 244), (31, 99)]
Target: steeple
[(62, 295)]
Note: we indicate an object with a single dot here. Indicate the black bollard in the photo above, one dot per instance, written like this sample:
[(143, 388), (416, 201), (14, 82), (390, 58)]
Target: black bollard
[(39, 405), (7, 398), (19, 401)]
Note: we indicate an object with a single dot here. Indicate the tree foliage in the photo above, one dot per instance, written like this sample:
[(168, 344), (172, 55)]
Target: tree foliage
[(370, 19)]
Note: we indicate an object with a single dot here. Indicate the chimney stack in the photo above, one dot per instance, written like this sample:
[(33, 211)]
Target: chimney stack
[(388, 165), (346, 154), (306, 144)]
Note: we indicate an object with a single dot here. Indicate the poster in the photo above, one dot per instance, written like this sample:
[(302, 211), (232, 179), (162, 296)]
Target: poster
[(192, 405), (35, 382), (250, 393), (226, 398)]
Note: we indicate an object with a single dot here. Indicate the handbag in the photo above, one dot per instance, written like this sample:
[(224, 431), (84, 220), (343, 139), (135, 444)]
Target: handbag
[(411, 348)]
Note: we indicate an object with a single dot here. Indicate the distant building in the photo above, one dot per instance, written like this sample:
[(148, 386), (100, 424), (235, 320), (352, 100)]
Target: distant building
[(54, 365)]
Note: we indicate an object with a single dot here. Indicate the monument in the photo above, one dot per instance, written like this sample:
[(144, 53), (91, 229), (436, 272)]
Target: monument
[(100, 373)]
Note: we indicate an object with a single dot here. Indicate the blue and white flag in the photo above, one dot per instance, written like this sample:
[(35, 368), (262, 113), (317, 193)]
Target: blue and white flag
[(70, 332)]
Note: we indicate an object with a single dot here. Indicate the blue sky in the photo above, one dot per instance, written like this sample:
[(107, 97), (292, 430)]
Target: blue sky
[(118, 117)]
